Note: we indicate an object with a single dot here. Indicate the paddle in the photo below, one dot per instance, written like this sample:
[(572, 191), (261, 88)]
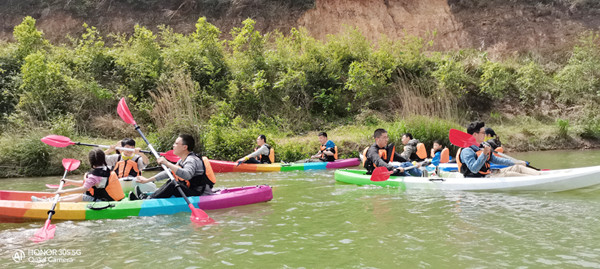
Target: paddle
[(47, 232), (198, 215), (465, 140), (382, 174), (60, 141)]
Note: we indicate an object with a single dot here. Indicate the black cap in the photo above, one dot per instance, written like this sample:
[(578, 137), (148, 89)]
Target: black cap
[(490, 131)]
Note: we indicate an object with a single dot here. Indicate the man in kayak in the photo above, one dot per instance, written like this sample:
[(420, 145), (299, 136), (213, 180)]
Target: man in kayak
[(262, 154), (474, 161), (193, 173), (382, 154), (328, 151), (410, 152), (128, 164)]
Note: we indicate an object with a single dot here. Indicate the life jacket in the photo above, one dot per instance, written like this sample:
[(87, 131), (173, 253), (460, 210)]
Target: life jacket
[(421, 153), (127, 168), (445, 156), (329, 158), (266, 158), (199, 182), (462, 167), (108, 189), (386, 154)]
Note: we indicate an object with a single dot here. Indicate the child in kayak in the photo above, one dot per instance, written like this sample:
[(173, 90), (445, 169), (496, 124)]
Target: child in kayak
[(128, 165), (99, 184)]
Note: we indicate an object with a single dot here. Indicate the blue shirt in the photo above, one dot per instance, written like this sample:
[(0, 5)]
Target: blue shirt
[(329, 144), (469, 157)]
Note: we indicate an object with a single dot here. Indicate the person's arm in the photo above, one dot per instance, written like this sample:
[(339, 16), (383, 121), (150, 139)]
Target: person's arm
[(377, 161), (144, 157), (111, 149), (408, 151), (263, 150), (85, 185), (504, 161), (142, 162), (162, 175), (470, 158)]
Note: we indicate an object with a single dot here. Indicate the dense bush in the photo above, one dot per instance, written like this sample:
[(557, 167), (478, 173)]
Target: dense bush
[(227, 91)]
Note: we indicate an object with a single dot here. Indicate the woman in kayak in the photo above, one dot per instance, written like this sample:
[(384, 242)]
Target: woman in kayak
[(99, 184)]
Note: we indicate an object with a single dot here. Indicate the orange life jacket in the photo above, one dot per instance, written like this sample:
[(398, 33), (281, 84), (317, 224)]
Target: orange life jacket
[(445, 155), (127, 168), (462, 167), (199, 180), (109, 189)]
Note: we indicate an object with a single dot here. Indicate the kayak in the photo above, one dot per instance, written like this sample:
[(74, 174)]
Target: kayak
[(15, 205), (548, 181), (225, 166)]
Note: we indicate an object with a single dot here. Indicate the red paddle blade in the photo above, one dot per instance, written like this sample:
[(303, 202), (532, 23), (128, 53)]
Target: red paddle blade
[(44, 233), (70, 164), (124, 112), (170, 156), (380, 174), (199, 217), (462, 139), (58, 141)]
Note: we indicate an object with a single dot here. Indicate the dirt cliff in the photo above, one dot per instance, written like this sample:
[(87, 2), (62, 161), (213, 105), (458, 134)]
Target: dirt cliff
[(493, 25)]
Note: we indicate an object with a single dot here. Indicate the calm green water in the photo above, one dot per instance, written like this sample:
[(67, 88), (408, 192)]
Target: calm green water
[(314, 223)]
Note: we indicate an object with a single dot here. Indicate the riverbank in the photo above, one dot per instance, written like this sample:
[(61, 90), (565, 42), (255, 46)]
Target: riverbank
[(23, 154)]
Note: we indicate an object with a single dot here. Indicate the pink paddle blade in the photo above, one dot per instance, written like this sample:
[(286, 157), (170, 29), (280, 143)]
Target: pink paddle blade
[(70, 164), (461, 139), (380, 174), (58, 141), (199, 217), (170, 156), (124, 112), (44, 233)]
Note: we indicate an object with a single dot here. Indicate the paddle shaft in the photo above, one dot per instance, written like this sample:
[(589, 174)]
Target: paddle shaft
[(56, 197), (106, 147), (164, 167)]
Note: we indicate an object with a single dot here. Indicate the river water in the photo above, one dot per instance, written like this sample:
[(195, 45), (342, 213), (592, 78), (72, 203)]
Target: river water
[(312, 222)]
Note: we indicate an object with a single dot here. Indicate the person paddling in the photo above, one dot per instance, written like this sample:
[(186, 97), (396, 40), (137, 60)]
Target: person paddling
[(262, 154), (380, 154), (328, 151), (475, 161), (99, 184), (194, 173), (128, 164)]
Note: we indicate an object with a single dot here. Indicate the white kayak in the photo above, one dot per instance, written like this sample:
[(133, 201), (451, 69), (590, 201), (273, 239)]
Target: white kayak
[(548, 181)]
